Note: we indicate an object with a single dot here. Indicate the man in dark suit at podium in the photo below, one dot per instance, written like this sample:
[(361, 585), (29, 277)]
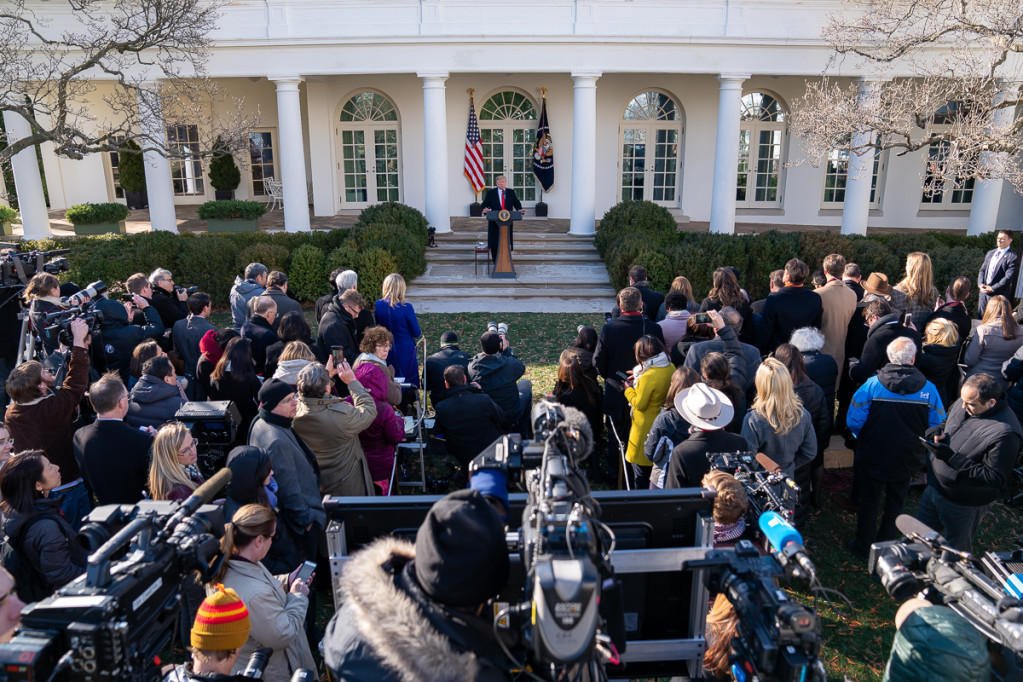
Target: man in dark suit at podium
[(996, 273), (496, 199)]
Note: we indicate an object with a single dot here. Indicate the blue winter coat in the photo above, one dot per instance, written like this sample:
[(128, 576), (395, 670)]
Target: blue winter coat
[(401, 322)]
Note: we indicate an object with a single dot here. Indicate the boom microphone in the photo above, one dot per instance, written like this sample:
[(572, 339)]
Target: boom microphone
[(787, 541), (577, 420), (912, 526), (202, 495)]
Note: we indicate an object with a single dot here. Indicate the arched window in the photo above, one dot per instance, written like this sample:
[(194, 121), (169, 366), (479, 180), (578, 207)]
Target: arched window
[(508, 132), (368, 144), (649, 136), (761, 146)]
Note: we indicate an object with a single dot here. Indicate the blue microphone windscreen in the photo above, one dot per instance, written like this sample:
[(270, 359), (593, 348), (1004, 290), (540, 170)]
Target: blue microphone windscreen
[(777, 530), (1014, 585)]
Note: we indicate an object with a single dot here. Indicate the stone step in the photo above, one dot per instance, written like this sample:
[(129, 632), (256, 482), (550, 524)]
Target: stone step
[(469, 239), (534, 275), (552, 302)]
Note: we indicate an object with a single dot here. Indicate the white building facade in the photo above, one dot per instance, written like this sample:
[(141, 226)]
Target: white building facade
[(681, 103)]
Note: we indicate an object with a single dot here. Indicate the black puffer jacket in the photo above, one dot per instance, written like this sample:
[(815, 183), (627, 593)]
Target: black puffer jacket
[(875, 350), (170, 308), (338, 328), (812, 397), (823, 370), (435, 366), (984, 449), (120, 337), (497, 375), (153, 402), (939, 365), (49, 544)]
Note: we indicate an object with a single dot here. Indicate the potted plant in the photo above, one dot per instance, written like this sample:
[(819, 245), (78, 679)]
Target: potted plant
[(7, 214), (132, 175), (232, 215), (97, 218), (224, 174)]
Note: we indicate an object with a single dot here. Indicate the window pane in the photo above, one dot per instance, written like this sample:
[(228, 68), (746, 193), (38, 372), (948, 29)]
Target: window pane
[(186, 169)]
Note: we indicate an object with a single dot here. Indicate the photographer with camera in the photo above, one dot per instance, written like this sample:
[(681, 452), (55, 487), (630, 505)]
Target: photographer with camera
[(43, 296), (497, 371), (416, 611), (120, 336), (187, 335), (220, 630), (169, 300), (40, 418), (971, 460)]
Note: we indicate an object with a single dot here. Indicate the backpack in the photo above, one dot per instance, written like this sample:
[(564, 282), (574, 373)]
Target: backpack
[(30, 583)]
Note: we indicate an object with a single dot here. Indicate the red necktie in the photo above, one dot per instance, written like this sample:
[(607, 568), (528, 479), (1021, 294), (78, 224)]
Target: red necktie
[(502, 201)]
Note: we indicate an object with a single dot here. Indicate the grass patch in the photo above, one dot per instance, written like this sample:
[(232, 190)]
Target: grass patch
[(855, 649)]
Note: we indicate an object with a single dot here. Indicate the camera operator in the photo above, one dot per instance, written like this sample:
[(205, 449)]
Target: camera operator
[(469, 419), (220, 630), (120, 336), (971, 461), (43, 295), (40, 418), (497, 371), (413, 612), (935, 643), (169, 301)]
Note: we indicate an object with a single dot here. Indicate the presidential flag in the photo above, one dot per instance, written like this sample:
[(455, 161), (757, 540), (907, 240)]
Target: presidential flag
[(543, 151), (473, 151)]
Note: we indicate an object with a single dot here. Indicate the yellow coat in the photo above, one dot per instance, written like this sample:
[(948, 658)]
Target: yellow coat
[(647, 399)]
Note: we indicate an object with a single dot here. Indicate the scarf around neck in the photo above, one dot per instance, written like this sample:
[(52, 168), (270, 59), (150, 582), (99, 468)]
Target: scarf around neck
[(659, 360)]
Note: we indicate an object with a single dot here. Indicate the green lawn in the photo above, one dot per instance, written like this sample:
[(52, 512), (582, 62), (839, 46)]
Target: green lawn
[(855, 647)]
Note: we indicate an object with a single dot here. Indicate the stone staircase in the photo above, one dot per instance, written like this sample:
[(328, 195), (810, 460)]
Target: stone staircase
[(556, 272)]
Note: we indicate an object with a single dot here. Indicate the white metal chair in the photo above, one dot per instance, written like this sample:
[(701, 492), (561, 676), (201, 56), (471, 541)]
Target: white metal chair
[(276, 190)]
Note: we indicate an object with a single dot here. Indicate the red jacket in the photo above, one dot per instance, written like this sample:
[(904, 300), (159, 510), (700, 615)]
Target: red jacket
[(46, 424)]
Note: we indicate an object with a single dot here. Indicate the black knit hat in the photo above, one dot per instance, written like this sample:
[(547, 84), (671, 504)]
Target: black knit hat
[(272, 392), (461, 555), (448, 337), (491, 343)]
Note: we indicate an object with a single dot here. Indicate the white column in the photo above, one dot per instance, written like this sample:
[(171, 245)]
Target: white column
[(159, 187), (584, 152), (860, 173), (27, 181), (987, 194), (435, 150), (726, 153), (292, 154)]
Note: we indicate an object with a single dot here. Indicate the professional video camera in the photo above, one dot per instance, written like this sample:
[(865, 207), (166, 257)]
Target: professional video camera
[(569, 624), (83, 307), (767, 488), (110, 623), (981, 591), (776, 639), (17, 268)]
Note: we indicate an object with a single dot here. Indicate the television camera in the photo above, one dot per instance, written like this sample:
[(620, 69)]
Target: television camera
[(571, 620), (17, 267), (776, 639), (767, 487), (982, 591), (110, 623)]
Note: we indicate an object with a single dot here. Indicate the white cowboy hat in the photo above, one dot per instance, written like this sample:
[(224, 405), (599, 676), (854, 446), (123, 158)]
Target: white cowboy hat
[(704, 407)]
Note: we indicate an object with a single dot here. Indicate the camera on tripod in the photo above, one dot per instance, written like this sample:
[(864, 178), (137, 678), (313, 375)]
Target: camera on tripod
[(112, 622), (17, 268), (567, 616), (767, 488)]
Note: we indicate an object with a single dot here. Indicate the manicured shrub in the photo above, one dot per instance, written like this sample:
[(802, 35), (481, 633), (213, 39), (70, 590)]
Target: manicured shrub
[(208, 261), (635, 217), (393, 213), (234, 209), (224, 173), (90, 214), (7, 214), (345, 257), (130, 169), (375, 264), (274, 257), (307, 279)]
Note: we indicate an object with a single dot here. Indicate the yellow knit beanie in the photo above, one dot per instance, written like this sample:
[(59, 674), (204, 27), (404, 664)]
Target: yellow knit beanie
[(222, 623)]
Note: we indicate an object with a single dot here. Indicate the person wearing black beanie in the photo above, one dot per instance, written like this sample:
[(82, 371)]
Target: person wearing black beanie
[(412, 611)]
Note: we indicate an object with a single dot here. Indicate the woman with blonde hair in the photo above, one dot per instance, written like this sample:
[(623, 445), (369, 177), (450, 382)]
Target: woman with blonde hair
[(939, 357), (293, 359), (172, 473), (722, 628), (399, 318), (918, 286), (993, 342), (277, 604), (778, 425)]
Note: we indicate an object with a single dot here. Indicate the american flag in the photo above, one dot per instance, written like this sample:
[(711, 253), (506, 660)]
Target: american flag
[(473, 151)]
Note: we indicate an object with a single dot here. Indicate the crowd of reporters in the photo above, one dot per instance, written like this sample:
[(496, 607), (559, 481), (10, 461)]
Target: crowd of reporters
[(681, 380)]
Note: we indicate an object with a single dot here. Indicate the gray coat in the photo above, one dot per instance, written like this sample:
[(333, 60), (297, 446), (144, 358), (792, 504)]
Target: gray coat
[(241, 292), (988, 350), (298, 494), (751, 354), (285, 304), (791, 451)]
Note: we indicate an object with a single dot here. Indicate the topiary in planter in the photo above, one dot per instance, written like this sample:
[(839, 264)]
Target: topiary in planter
[(224, 174), (132, 174), (97, 218), (232, 215), (307, 277), (7, 215)]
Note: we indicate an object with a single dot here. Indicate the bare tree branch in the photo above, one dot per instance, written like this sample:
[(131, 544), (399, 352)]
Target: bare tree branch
[(924, 55), (90, 86)]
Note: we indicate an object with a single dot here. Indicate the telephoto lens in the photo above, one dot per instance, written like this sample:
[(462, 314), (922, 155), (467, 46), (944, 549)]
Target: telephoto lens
[(502, 328), (492, 327), (257, 663)]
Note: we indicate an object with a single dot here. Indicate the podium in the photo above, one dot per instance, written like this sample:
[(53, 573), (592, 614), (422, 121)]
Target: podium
[(503, 267)]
